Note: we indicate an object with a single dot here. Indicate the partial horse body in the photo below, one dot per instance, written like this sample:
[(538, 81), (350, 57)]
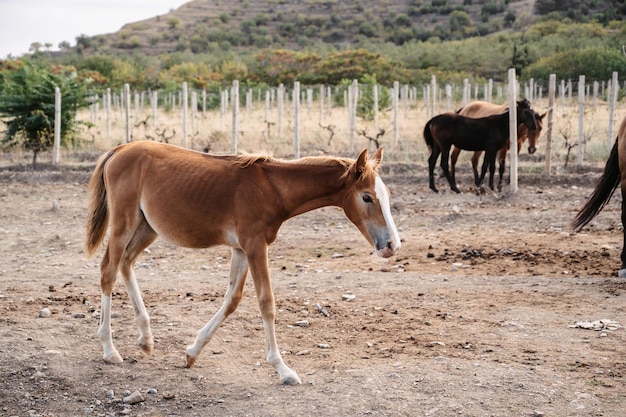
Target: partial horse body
[(145, 189), (477, 109), (612, 177), (488, 134)]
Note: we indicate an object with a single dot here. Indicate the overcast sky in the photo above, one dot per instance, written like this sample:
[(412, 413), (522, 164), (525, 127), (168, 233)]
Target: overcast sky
[(23, 22)]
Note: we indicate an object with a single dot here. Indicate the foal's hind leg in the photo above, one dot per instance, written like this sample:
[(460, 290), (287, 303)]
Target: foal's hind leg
[(238, 271), (122, 231), (122, 250), (142, 238)]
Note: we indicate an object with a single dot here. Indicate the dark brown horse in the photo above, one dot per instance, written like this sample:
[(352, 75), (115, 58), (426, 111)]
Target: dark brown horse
[(145, 189), (611, 178), (488, 134), (478, 109)]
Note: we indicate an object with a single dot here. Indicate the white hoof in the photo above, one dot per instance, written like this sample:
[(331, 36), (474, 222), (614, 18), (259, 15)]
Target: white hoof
[(113, 358), (622, 273)]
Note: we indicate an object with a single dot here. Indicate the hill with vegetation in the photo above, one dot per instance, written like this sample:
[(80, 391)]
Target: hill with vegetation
[(206, 42), (206, 26)]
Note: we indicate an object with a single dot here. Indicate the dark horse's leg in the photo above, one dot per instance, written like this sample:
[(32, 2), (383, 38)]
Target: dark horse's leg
[(445, 159), (489, 161), (622, 271), (475, 160), (454, 156), (432, 161), (502, 161)]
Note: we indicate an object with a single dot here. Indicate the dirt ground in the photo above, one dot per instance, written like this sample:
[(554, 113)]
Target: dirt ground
[(476, 316)]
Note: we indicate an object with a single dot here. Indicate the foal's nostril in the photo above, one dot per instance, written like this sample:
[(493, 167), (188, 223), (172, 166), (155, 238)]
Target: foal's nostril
[(389, 244), (531, 150)]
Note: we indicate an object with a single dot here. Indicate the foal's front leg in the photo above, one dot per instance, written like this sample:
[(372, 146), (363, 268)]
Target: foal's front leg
[(261, 276)]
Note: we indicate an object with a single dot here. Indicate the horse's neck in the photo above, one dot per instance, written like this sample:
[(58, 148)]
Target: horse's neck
[(304, 188)]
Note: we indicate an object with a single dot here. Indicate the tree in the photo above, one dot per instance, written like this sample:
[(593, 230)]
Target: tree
[(27, 104)]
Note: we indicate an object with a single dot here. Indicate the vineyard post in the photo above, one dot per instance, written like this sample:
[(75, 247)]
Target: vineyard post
[(581, 113), (234, 98), (184, 103), (56, 149), (551, 95), (107, 105), (296, 116), (127, 110), (513, 129), (281, 96), (433, 94), (396, 89), (612, 104), (155, 101), (375, 93), (321, 121)]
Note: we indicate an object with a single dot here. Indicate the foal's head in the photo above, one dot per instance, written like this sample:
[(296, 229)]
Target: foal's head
[(366, 203)]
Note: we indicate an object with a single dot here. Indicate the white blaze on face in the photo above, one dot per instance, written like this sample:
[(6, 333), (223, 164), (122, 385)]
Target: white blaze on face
[(383, 198)]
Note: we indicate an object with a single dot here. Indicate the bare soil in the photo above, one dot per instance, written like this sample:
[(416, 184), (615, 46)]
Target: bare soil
[(472, 318)]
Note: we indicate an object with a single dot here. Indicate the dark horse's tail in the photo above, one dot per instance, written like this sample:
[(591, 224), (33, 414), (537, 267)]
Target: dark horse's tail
[(601, 195), (428, 137), (98, 216)]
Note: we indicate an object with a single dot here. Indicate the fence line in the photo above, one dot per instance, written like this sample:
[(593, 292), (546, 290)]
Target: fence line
[(405, 115)]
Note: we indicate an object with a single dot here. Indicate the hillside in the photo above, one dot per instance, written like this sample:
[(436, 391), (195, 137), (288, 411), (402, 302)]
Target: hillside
[(205, 26)]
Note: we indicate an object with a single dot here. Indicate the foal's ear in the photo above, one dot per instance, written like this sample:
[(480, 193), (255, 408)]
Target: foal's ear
[(359, 164), (377, 158)]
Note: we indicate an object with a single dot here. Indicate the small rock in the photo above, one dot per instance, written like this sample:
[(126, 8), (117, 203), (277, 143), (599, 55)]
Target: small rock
[(336, 255), (110, 394), (45, 313), (302, 323), (78, 315), (134, 398), (151, 391), (303, 352), (323, 346), (169, 395), (348, 297)]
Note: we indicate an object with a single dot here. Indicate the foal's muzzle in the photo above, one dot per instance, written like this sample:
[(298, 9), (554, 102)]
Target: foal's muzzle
[(388, 250), (531, 150)]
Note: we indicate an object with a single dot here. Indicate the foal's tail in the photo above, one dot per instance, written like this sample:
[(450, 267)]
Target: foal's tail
[(98, 217), (601, 195), (428, 136)]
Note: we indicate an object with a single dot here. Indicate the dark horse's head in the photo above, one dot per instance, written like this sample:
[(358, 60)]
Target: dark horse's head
[(533, 135), (532, 121)]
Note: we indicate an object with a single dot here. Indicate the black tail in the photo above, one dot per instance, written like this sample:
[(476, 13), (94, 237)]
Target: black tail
[(601, 195), (428, 137)]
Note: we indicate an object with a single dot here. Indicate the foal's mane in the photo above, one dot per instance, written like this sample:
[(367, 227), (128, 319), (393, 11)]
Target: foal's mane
[(247, 160), (322, 161)]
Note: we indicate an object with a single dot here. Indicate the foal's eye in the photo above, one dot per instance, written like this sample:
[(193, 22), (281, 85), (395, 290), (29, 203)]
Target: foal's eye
[(367, 198)]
